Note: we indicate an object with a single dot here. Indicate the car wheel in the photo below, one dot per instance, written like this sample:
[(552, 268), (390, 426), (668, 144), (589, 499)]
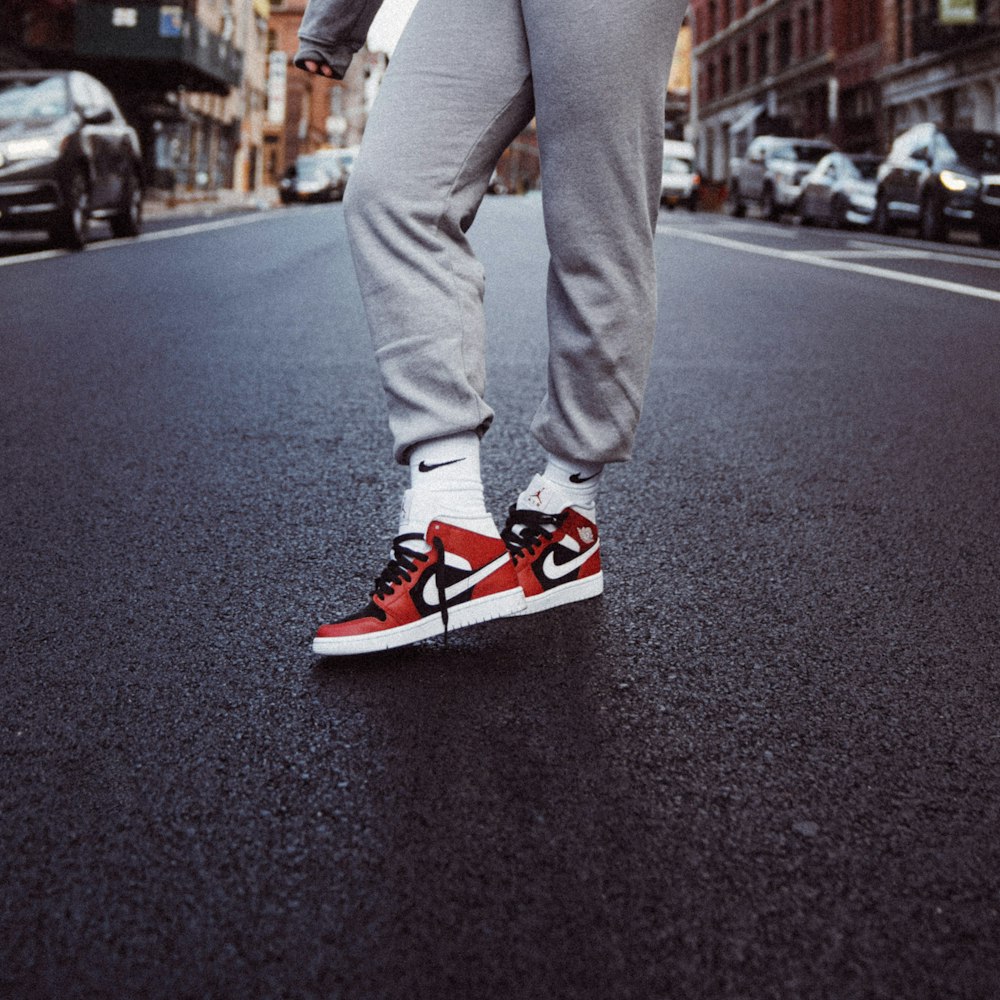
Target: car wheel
[(768, 206), (73, 226), (737, 208), (990, 236), (838, 214), (883, 220), (800, 210), (932, 223), (128, 221)]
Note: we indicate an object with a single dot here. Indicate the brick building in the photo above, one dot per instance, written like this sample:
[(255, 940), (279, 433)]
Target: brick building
[(795, 67), (854, 71), (188, 75), (306, 112), (943, 63)]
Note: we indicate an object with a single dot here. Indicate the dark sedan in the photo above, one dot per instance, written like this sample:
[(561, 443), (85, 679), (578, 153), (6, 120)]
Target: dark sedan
[(67, 156), (939, 179)]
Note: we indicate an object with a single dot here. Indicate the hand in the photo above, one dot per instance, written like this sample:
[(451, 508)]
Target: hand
[(319, 68)]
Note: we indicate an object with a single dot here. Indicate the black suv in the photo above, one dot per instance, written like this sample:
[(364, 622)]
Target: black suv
[(66, 156), (939, 178)]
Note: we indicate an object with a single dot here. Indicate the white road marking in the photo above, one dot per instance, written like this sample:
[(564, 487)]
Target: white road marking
[(899, 254), (162, 234), (28, 258), (774, 229), (948, 258), (806, 257)]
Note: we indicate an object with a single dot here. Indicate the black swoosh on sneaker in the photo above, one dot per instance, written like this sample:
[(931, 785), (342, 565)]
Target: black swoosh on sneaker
[(425, 467), (577, 478)]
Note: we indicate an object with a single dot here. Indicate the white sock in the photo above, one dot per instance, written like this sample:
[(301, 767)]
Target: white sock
[(446, 463), (445, 483)]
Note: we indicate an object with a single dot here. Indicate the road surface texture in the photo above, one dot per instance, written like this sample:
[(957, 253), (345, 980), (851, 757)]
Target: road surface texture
[(766, 764)]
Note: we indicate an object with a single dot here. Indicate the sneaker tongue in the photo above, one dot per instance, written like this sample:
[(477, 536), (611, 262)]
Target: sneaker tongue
[(542, 496), (413, 520)]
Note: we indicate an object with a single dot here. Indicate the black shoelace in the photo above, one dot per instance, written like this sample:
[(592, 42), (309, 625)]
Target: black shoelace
[(525, 529), (404, 563)]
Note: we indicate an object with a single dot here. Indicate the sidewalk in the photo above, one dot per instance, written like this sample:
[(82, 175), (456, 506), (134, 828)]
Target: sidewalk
[(159, 205)]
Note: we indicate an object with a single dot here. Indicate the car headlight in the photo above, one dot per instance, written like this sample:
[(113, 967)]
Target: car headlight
[(957, 182), (45, 147)]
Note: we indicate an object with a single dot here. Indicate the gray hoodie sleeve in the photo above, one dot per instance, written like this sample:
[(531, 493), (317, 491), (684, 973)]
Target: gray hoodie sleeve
[(333, 30)]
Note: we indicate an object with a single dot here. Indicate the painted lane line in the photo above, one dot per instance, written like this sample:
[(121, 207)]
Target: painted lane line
[(801, 257), (947, 258), (28, 258), (161, 234), (766, 228), (198, 227), (878, 254)]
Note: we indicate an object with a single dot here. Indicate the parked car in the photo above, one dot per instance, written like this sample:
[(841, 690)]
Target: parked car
[(840, 191), (681, 182), (67, 156), (771, 174), (312, 178), (939, 178), (346, 157)]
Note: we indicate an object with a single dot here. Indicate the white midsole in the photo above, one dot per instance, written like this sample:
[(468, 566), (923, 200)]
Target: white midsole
[(565, 593), (480, 609)]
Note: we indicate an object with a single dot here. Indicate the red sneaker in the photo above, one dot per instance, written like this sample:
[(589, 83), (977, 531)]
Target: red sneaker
[(461, 579), (557, 556)]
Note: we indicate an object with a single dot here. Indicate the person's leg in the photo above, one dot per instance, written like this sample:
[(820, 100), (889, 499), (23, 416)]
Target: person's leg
[(457, 91), (599, 75)]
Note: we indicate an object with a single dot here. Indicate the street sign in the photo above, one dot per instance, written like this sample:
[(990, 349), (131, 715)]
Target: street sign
[(171, 21), (957, 11), (277, 78)]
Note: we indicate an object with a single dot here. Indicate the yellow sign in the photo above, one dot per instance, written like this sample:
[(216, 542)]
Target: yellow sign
[(957, 11), (262, 8)]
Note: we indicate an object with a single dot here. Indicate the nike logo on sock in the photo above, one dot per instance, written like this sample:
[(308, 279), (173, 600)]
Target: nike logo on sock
[(577, 478), (425, 467)]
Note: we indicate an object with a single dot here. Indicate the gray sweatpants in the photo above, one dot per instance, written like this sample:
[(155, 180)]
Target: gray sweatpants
[(466, 78)]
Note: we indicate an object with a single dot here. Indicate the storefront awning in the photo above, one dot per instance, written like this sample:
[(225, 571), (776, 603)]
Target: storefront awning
[(747, 119)]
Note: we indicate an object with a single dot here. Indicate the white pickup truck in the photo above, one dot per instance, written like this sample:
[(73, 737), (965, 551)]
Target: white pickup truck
[(770, 175)]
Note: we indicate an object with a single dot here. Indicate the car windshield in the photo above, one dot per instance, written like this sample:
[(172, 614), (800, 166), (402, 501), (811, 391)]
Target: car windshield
[(862, 169), (309, 170), (808, 154), (675, 165), (33, 100), (980, 150)]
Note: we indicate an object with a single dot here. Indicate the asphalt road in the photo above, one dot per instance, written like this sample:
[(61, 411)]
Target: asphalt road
[(766, 764)]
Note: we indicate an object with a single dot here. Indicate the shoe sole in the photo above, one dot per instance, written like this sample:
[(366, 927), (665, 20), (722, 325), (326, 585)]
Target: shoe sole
[(481, 609), (565, 593)]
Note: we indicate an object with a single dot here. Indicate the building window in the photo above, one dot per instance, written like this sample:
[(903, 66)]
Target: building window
[(784, 44), (711, 18), (763, 52), (743, 64), (727, 74), (804, 33), (818, 26)]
